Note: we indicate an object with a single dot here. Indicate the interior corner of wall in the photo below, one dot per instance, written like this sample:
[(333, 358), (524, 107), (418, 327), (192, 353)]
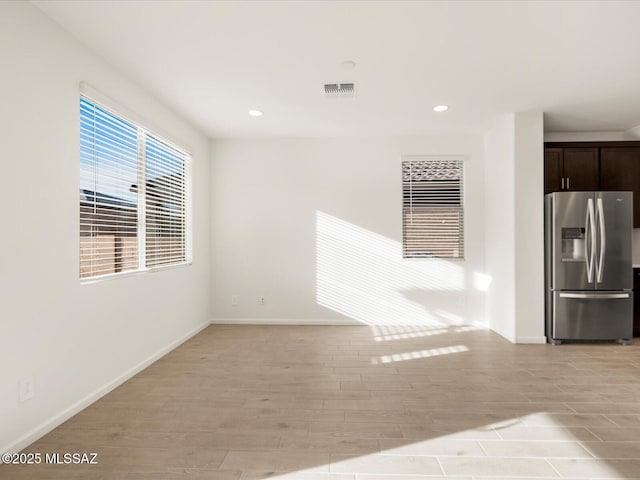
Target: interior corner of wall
[(633, 133), (509, 336)]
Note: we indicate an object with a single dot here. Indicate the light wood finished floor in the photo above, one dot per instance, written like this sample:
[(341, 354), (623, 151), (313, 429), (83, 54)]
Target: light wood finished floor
[(361, 403)]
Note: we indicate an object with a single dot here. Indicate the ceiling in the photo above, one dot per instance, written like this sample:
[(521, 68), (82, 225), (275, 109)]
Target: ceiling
[(214, 61)]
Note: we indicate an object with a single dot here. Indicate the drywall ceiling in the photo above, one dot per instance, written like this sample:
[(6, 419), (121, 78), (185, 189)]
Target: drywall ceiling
[(214, 61)]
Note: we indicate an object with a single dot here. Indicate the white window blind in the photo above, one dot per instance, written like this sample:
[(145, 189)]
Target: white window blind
[(134, 196), (165, 203), (432, 208)]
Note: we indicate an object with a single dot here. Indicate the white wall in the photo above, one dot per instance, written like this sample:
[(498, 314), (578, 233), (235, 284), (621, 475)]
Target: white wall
[(514, 252), (615, 136), (500, 234), (632, 134), (315, 225), (73, 339), (529, 223)]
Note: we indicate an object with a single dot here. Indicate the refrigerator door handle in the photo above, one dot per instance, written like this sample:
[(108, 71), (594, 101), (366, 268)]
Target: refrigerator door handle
[(603, 240), (590, 231), (596, 296)]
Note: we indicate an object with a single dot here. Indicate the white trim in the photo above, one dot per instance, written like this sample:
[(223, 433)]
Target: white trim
[(283, 321), (45, 427), (188, 208), (512, 339), (444, 157), (141, 227), (133, 273), (532, 340), (117, 108)]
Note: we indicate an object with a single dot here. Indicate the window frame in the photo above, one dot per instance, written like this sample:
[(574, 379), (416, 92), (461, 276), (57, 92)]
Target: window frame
[(142, 132), (461, 208)]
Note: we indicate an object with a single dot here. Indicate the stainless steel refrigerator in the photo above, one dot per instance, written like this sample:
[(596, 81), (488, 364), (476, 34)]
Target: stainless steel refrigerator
[(588, 266)]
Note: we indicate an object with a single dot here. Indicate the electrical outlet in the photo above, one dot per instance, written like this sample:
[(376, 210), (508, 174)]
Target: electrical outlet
[(261, 301), (234, 300), (27, 389)]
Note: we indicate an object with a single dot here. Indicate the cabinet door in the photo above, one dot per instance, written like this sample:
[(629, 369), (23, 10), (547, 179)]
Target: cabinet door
[(621, 171), (581, 169), (552, 170)]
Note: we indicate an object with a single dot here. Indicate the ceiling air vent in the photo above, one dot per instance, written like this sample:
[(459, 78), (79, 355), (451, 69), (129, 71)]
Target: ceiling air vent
[(342, 90)]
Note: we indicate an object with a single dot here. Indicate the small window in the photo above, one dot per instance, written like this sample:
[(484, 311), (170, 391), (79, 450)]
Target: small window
[(133, 196), (432, 208)]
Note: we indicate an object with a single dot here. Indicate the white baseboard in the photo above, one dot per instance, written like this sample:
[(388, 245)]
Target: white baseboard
[(45, 427), (511, 338), (534, 340), (283, 321)]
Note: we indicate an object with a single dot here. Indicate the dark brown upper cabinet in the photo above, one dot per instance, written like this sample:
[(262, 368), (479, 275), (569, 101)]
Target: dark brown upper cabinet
[(553, 172), (571, 169), (612, 166), (620, 170)]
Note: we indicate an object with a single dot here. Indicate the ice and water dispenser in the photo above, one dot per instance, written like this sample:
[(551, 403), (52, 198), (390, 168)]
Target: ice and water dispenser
[(573, 244)]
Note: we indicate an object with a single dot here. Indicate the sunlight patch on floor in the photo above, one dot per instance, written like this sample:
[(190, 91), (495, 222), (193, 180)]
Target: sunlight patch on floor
[(385, 333), (433, 352), (382, 333), (404, 336)]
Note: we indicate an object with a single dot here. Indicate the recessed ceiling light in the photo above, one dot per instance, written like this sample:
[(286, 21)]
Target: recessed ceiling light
[(440, 108), (348, 65), (255, 113)]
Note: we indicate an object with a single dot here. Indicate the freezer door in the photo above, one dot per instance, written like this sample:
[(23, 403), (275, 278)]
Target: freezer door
[(614, 224), (570, 244), (592, 315)]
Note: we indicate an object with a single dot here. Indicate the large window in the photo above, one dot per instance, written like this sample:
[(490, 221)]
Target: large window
[(432, 208), (134, 196)]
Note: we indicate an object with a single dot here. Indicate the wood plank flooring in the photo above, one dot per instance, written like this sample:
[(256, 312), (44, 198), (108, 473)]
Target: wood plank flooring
[(240, 402)]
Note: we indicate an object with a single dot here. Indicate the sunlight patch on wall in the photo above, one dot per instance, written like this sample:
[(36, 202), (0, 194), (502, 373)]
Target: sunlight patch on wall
[(470, 328), (362, 275), (450, 317), (481, 281)]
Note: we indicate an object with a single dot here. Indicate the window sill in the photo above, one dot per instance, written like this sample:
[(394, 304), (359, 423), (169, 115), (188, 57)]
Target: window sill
[(133, 273), (434, 259)]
